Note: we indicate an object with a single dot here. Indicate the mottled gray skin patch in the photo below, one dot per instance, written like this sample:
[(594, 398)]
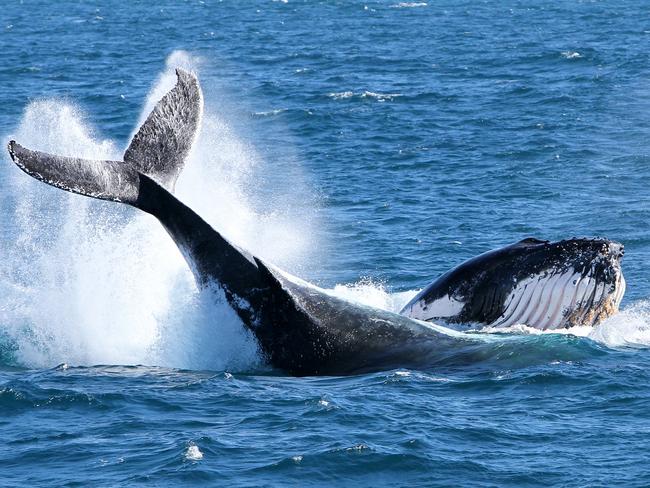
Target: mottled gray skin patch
[(175, 120), (106, 180)]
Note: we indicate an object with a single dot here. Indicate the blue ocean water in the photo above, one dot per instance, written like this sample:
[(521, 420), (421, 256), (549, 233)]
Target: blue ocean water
[(367, 147)]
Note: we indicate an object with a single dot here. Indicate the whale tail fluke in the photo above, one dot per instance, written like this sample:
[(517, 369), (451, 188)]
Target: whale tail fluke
[(158, 150), (164, 140)]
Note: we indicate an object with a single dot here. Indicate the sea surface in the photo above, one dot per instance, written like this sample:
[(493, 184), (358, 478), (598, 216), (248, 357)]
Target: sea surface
[(367, 147)]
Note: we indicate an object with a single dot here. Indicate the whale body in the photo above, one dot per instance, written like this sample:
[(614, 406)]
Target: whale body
[(302, 329)]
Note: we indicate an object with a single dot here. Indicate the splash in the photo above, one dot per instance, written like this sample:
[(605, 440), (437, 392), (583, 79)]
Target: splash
[(628, 328), (193, 453), (87, 282), (367, 292)]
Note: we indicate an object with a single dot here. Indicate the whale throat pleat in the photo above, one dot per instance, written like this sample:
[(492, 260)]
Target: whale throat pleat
[(541, 301)]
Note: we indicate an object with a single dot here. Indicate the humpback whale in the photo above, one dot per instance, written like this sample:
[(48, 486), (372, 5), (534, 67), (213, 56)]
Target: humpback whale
[(302, 329), (542, 284)]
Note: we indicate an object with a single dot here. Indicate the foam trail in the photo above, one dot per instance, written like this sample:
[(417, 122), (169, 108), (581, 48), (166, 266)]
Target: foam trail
[(87, 282)]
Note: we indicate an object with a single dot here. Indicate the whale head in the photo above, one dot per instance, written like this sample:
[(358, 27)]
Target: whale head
[(542, 284)]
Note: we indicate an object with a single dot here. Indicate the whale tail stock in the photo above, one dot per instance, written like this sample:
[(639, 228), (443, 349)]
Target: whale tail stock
[(158, 151)]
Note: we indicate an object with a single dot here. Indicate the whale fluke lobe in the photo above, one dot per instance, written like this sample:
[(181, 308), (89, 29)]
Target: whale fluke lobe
[(158, 150), (106, 180), (164, 140)]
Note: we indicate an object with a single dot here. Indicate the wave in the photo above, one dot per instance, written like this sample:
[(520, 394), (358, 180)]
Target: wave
[(269, 113), (380, 97), (409, 5), (571, 54)]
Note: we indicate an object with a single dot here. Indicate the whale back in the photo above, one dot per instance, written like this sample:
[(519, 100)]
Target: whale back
[(304, 330)]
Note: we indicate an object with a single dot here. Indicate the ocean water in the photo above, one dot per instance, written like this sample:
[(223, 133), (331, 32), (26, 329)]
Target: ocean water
[(367, 147)]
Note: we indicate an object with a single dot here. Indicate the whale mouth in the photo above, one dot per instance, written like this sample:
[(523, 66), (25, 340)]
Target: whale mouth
[(583, 292)]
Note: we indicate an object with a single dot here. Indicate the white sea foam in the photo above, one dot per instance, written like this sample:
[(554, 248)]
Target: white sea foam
[(630, 327), (380, 97), (269, 113), (373, 294), (340, 95), (193, 453), (571, 54), (409, 4), (581, 331)]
